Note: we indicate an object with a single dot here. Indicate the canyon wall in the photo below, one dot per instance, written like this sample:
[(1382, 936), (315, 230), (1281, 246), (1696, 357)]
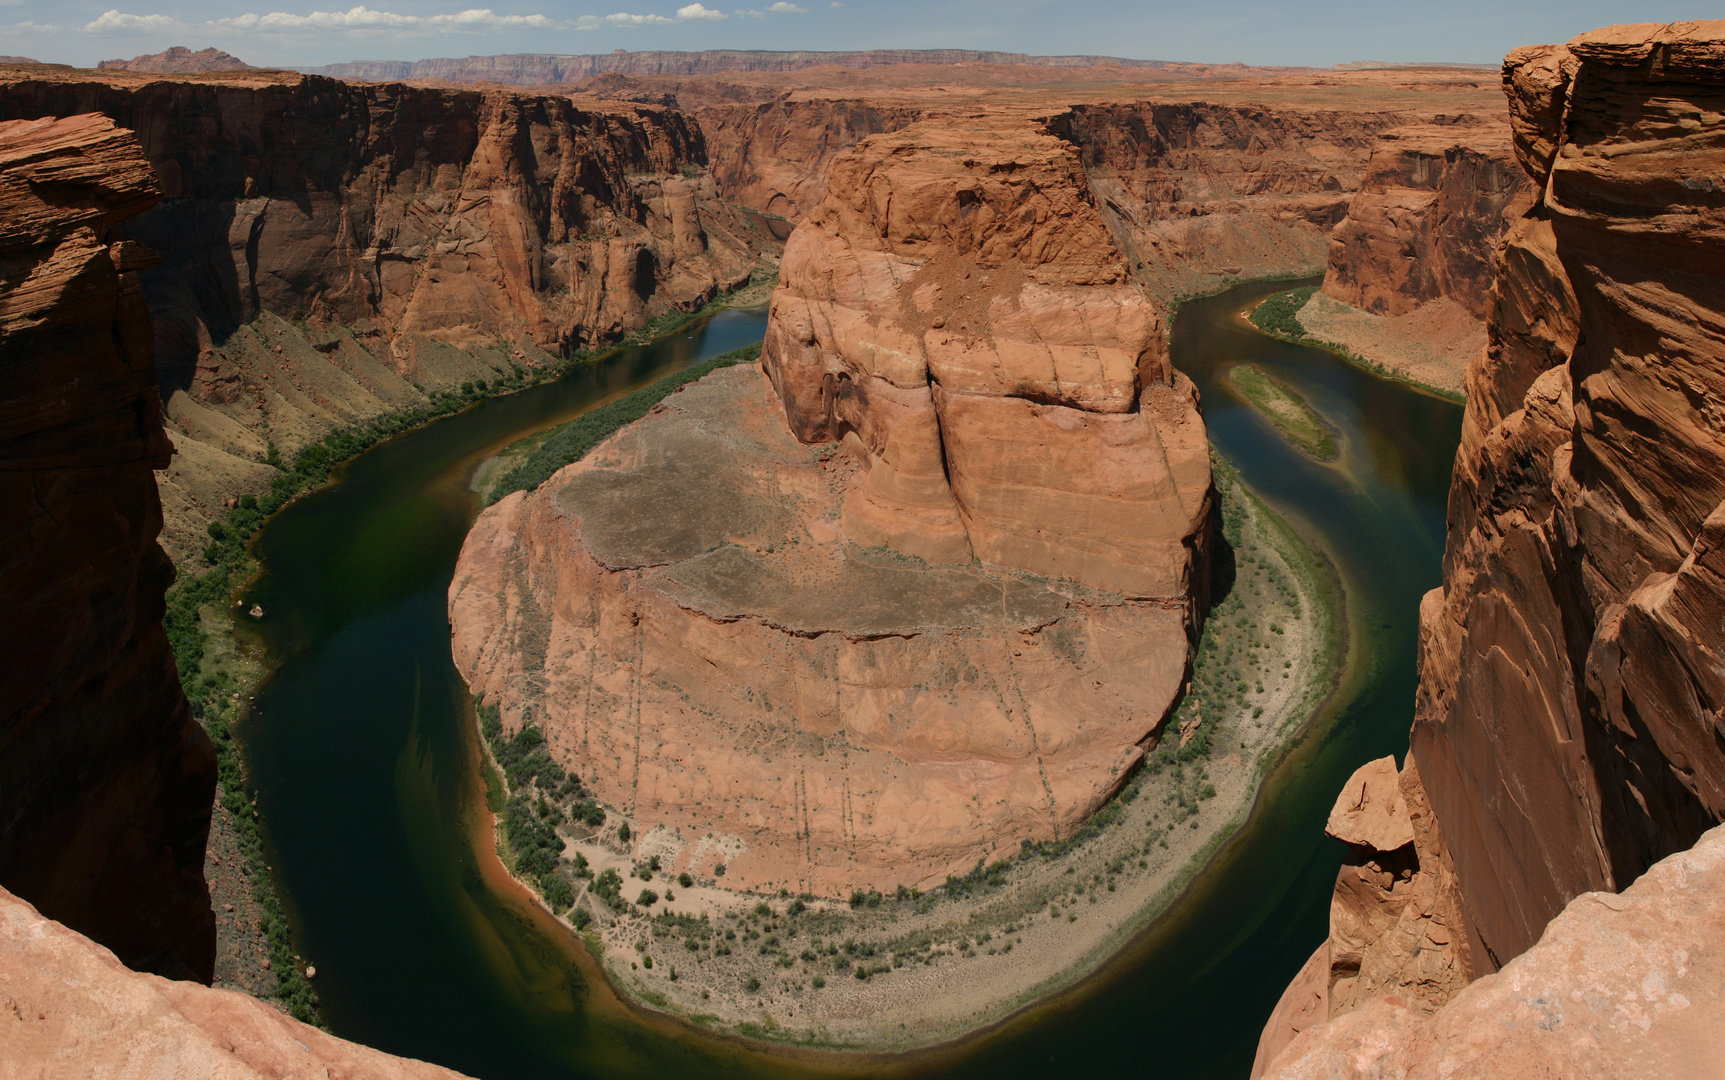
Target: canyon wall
[(332, 253), (1427, 218), (1567, 728), (106, 782), (71, 1009), (1196, 193)]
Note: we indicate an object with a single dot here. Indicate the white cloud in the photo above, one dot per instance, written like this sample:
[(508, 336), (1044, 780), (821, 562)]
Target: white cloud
[(28, 27), (835, 5), (623, 18), (788, 9), (362, 19), (118, 20)]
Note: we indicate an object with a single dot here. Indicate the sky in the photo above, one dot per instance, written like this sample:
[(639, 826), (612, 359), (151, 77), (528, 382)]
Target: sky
[(1313, 32)]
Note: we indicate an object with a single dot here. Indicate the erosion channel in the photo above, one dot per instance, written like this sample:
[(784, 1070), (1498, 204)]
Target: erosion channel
[(364, 752)]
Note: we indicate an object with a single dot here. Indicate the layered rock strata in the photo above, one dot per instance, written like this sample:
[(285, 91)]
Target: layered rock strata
[(956, 312), (1197, 194), (1566, 723), (106, 781), (1408, 283), (333, 253), (768, 625), (70, 1008)]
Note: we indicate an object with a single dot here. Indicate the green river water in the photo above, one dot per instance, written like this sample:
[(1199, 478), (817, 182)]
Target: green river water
[(363, 750)]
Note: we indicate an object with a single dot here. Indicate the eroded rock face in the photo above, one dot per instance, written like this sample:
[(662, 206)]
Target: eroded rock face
[(1566, 718), (681, 615), (71, 1008), (1618, 985), (1566, 727), (1197, 193), (1427, 218), (106, 782), (956, 310)]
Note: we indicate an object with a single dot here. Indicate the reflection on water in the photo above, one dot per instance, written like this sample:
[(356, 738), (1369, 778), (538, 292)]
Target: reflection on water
[(363, 750)]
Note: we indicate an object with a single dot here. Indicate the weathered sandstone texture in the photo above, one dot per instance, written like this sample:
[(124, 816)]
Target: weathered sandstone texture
[(105, 780), (1408, 284), (333, 252), (1567, 726), (956, 312), (1620, 985), (1395, 915), (1567, 723), (1427, 218), (68, 1007), (827, 666)]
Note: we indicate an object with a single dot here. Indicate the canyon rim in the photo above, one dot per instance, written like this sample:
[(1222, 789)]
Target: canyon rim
[(868, 684)]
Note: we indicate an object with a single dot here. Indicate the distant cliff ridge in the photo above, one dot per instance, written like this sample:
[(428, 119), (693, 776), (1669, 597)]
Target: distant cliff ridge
[(546, 69), (179, 60)]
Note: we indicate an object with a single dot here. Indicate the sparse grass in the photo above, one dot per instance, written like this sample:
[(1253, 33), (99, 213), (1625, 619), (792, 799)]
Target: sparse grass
[(1283, 406)]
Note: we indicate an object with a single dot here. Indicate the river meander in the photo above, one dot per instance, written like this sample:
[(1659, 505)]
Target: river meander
[(364, 754)]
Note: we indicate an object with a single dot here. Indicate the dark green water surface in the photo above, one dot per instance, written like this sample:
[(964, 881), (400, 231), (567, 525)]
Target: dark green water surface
[(363, 751)]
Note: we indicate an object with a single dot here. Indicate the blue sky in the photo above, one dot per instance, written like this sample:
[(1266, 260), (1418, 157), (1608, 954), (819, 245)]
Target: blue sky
[(1317, 32)]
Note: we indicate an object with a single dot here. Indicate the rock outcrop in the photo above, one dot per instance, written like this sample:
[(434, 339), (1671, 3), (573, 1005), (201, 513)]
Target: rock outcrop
[(1619, 985), (956, 311), (106, 782), (178, 60), (68, 1007), (829, 667), (1567, 723)]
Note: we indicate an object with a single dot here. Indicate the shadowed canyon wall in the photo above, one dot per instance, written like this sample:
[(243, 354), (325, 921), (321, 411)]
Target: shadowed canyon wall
[(1567, 728), (332, 253), (106, 781)]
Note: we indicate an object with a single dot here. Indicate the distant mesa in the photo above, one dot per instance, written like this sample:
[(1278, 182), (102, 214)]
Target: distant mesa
[(550, 69), (18, 60), (178, 60)]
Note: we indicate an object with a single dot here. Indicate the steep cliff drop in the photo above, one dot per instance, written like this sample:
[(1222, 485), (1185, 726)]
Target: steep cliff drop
[(1409, 274), (827, 666), (1566, 730), (334, 254), (106, 782)]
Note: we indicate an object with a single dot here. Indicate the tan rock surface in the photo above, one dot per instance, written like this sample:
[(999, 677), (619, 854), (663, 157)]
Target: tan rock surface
[(680, 615), (956, 306), (1369, 812), (68, 1008), (106, 781), (1623, 985)]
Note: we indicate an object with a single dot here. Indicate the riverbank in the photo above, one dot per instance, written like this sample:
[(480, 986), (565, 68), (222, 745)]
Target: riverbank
[(887, 973), (220, 675), (1428, 349)]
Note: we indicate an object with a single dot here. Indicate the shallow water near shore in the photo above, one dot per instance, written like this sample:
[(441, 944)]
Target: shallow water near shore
[(363, 751)]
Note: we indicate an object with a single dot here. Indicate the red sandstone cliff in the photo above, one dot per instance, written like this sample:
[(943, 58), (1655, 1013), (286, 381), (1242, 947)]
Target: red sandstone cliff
[(335, 252), (1567, 724), (105, 780)]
